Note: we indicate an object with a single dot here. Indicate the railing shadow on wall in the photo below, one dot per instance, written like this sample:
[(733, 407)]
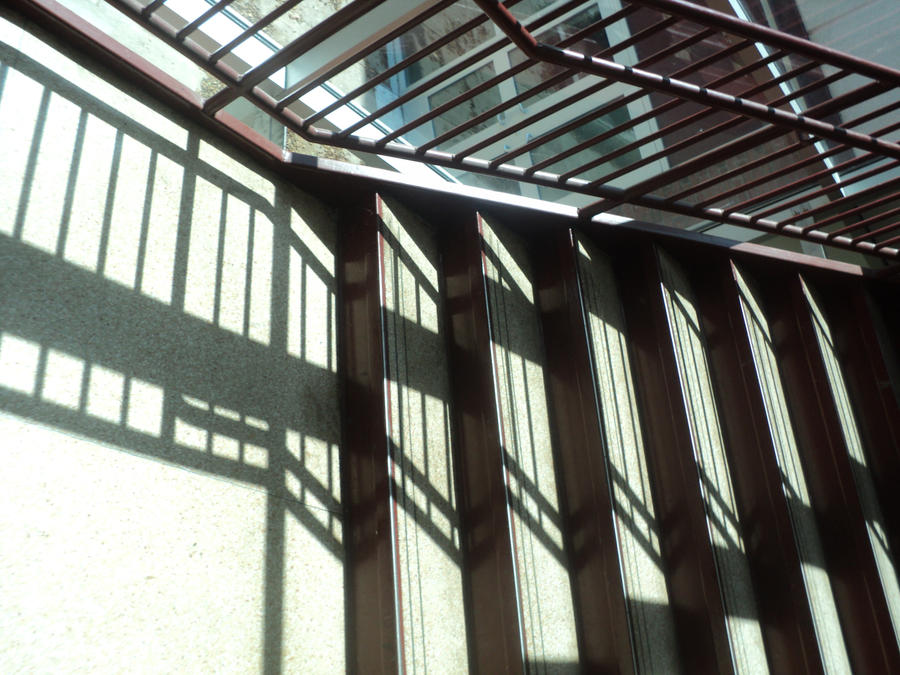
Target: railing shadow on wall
[(416, 382), (199, 353), (720, 510), (197, 349), (429, 558), (191, 342), (176, 340), (166, 373), (517, 350), (794, 476)]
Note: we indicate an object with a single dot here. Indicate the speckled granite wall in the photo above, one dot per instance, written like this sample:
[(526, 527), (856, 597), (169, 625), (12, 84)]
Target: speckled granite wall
[(713, 471), (652, 627), (545, 595), (885, 558), (806, 533), (428, 547), (168, 385)]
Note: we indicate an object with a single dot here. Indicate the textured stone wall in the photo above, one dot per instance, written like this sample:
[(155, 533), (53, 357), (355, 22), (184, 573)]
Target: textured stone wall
[(713, 471), (862, 476), (170, 422), (806, 534), (652, 624), (545, 596), (168, 384), (428, 540)]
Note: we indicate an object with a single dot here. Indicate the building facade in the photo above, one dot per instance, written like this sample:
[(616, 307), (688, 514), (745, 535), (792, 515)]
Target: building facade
[(269, 410)]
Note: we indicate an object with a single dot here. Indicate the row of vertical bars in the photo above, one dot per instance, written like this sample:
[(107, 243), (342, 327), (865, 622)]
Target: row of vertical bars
[(605, 643), (493, 616), (849, 224)]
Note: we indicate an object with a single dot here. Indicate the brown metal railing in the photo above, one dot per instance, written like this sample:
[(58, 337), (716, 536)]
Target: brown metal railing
[(752, 59)]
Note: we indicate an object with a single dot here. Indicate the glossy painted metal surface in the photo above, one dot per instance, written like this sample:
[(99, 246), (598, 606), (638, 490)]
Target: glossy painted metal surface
[(860, 601), (372, 635), (711, 17), (324, 175), (877, 408), (598, 585), (687, 552), (685, 90), (653, 20), (743, 144), (495, 637), (322, 31), (493, 616), (775, 564)]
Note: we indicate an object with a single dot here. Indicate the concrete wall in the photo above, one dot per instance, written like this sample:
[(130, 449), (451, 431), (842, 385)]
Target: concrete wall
[(170, 427), (545, 596), (862, 475), (713, 470), (170, 420), (652, 624), (806, 533), (428, 539)]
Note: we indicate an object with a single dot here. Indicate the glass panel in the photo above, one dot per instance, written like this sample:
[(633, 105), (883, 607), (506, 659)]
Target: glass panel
[(472, 107), (537, 75), (583, 133)]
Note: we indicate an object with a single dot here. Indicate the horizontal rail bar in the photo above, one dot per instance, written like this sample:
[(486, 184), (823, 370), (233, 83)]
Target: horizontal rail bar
[(669, 105), (868, 221), (824, 173), (613, 105), (193, 25), (776, 38), (167, 33), (796, 166), (849, 212), (578, 122), (397, 68), (405, 63), (353, 56), (763, 161), (296, 123), (472, 58), (560, 105), (518, 173), (314, 36), (667, 85), (691, 140), (654, 112), (892, 240), (879, 231), (835, 204), (741, 106), (74, 30), (737, 146), (484, 86), (252, 30)]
